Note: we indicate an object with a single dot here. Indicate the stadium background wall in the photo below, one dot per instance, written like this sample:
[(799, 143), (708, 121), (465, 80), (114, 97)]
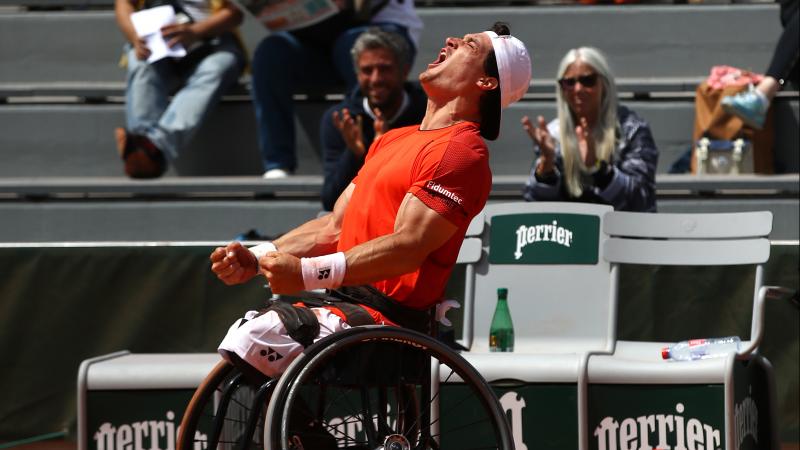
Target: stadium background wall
[(61, 305)]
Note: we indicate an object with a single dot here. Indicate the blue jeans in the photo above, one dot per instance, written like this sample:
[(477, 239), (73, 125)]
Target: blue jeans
[(196, 87), (281, 64)]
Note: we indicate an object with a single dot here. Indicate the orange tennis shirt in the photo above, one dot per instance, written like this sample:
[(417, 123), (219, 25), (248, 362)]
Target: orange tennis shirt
[(448, 170)]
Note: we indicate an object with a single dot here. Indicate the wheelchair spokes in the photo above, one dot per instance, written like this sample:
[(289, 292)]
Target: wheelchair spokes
[(373, 385), (225, 413), (366, 388)]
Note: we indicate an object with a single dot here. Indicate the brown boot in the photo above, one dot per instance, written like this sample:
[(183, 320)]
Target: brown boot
[(142, 158)]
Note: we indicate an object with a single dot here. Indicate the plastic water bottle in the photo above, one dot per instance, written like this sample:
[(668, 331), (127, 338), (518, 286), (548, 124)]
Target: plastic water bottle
[(701, 348), (501, 331)]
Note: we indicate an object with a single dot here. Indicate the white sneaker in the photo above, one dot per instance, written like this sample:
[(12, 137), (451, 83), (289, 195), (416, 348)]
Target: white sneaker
[(273, 174)]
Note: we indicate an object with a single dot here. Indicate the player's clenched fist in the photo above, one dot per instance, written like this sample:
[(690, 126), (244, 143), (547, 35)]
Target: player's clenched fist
[(283, 271), (233, 264)]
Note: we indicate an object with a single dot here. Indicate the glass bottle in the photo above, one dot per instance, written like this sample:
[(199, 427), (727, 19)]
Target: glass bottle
[(501, 332)]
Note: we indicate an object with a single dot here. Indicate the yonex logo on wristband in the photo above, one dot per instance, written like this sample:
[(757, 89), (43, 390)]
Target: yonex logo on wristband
[(323, 272)]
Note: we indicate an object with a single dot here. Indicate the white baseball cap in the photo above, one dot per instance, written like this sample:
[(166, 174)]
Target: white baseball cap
[(513, 67)]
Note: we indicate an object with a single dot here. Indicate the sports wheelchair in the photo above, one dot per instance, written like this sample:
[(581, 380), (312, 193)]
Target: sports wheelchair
[(365, 388)]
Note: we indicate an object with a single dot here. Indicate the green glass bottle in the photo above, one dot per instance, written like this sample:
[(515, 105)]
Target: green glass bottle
[(501, 332)]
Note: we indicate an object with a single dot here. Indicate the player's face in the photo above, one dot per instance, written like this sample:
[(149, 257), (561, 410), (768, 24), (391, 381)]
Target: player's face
[(380, 77), (459, 64)]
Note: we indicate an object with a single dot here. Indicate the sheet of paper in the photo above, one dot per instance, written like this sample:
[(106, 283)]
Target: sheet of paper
[(148, 24), (278, 15)]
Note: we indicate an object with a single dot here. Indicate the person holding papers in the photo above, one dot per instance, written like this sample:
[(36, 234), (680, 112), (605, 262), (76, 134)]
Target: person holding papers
[(181, 57)]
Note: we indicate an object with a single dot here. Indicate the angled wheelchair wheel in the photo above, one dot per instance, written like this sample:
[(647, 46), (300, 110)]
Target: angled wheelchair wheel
[(225, 413), (384, 388)]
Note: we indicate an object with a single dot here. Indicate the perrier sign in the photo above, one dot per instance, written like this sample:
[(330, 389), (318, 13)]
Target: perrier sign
[(542, 238)]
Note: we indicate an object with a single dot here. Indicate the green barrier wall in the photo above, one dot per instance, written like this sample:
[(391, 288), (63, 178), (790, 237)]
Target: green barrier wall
[(59, 306)]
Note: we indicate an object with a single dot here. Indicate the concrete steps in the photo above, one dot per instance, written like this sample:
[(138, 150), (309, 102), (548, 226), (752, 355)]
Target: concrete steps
[(51, 209), (63, 97)]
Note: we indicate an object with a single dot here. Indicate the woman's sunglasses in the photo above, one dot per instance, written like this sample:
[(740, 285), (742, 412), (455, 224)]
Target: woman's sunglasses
[(584, 80)]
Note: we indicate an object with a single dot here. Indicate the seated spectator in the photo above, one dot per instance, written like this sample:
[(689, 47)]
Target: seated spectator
[(158, 128), (318, 55), (596, 151), (382, 100), (752, 106)]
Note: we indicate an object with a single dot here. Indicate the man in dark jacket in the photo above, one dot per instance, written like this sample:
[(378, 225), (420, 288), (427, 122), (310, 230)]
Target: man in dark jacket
[(382, 100)]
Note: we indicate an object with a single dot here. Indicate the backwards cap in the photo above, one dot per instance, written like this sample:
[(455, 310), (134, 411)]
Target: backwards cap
[(513, 67)]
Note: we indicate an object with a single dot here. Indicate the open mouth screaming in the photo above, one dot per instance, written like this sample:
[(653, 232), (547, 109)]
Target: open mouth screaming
[(440, 59)]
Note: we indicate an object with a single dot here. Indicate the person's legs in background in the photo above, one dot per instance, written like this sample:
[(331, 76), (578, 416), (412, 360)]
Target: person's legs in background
[(752, 106), (147, 92), (203, 89), (282, 62), (783, 66), (146, 98), (157, 126)]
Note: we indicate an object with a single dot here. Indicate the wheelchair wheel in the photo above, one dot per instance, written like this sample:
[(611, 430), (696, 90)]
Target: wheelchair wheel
[(384, 388), (225, 412)]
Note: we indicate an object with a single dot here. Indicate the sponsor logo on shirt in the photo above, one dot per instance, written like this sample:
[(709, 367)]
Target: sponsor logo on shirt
[(436, 187)]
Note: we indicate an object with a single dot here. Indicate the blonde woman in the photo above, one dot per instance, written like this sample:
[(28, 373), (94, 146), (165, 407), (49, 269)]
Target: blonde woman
[(596, 151)]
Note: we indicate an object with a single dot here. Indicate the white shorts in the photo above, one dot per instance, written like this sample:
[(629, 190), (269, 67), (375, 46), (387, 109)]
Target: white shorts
[(265, 344)]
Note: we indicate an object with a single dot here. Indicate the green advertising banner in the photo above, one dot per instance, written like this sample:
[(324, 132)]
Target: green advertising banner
[(544, 239), (541, 415), (135, 419), (166, 300), (751, 403), (656, 416)]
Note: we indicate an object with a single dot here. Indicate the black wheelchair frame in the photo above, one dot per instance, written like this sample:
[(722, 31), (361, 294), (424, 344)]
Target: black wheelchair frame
[(364, 388)]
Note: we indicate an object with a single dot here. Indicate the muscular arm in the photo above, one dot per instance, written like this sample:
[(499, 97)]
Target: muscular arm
[(418, 231), (235, 264), (318, 236)]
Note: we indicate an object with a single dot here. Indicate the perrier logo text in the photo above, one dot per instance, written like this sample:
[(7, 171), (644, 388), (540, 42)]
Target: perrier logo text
[(542, 233), (544, 238)]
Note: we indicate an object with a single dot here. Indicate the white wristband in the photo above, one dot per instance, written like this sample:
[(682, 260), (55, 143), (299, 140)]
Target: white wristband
[(262, 249), (323, 272)]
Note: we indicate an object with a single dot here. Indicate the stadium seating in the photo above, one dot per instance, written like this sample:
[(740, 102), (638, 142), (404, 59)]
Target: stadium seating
[(61, 98), (659, 52)]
